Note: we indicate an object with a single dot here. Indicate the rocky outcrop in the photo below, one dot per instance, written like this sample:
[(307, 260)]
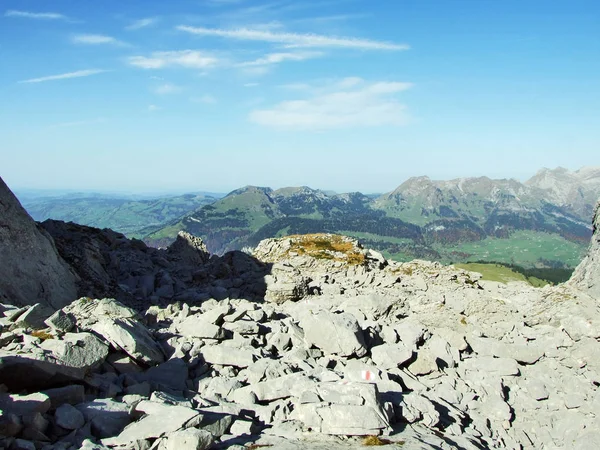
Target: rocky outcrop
[(33, 271), (587, 275), (413, 353), (111, 265)]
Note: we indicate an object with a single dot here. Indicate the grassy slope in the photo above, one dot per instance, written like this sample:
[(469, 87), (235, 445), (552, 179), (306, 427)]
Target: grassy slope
[(525, 248), (502, 274)]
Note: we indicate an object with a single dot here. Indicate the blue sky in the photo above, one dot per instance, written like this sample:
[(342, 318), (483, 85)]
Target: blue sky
[(335, 94)]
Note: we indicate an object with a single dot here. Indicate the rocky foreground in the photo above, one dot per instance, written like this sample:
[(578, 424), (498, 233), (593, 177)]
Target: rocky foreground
[(312, 343)]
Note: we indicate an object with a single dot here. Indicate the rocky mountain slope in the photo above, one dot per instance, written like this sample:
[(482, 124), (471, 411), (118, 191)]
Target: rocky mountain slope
[(33, 272), (466, 219), (577, 191), (587, 274), (311, 343)]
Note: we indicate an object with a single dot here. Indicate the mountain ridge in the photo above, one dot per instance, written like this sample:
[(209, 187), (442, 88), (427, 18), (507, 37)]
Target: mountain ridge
[(422, 218)]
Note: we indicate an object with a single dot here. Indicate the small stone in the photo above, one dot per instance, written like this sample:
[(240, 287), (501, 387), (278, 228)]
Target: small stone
[(68, 417), (190, 439), (60, 321)]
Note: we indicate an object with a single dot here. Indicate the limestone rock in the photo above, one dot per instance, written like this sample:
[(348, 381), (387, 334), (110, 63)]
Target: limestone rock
[(33, 271), (159, 421), (189, 249), (337, 334), (587, 274), (131, 337), (389, 356), (68, 417), (80, 350), (225, 355), (190, 439)]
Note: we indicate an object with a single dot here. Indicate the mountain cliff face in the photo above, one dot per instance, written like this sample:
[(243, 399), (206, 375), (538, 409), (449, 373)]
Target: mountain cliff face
[(576, 191), (587, 275), (33, 271)]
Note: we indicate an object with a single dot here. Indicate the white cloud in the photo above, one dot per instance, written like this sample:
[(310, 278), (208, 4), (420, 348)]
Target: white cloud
[(331, 18), (206, 99), (294, 39), (275, 58), (142, 23), (167, 88), (251, 84), (63, 76), (96, 39), (152, 108), (351, 102), (190, 59), (32, 15)]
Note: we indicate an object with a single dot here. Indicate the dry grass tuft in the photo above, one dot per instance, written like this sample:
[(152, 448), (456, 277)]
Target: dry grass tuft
[(372, 441), (43, 335), (326, 246)]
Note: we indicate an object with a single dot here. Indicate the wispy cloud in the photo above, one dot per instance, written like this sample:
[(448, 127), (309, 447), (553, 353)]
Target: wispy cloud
[(351, 102), (206, 99), (332, 18), (167, 88), (251, 85), (275, 58), (191, 59), (64, 76), (96, 39), (142, 23), (294, 39), (153, 108), (34, 15)]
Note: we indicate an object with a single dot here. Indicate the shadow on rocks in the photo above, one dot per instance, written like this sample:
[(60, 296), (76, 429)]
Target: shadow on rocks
[(110, 265)]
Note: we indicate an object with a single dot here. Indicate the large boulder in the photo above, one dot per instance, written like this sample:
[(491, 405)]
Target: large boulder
[(33, 271), (587, 275)]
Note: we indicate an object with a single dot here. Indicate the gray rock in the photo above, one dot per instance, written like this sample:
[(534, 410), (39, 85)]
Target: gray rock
[(189, 249), (172, 374), (190, 439), (389, 356), (35, 316), (22, 405), (60, 321), (72, 394), (243, 427), (107, 417), (337, 334), (199, 327), (20, 372), (33, 271), (217, 424), (497, 366), (224, 355), (424, 364), (22, 444), (66, 416), (587, 274), (10, 424), (160, 420), (81, 350), (131, 337)]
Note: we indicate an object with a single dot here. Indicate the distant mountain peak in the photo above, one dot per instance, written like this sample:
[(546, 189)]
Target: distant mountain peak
[(251, 189)]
